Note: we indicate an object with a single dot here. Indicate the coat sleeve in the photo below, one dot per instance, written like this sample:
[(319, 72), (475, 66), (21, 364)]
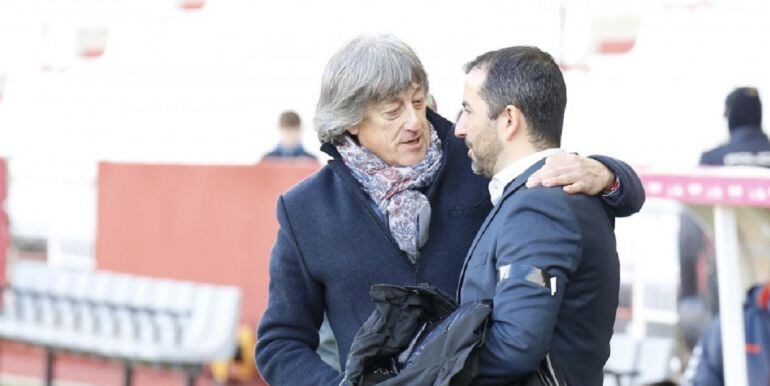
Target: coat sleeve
[(629, 198), (705, 365), (288, 331), (524, 308)]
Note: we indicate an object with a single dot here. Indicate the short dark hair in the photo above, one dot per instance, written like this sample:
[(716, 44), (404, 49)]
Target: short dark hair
[(289, 119), (529, 79), (743, 108)]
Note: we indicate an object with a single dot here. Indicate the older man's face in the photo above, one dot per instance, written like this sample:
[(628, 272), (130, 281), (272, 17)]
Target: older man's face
[(396, 130)]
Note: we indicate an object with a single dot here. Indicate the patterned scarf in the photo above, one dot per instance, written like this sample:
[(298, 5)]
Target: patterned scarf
[(395, 190)]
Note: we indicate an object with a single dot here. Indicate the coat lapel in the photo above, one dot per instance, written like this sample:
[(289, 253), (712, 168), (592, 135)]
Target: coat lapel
[(510, 189)]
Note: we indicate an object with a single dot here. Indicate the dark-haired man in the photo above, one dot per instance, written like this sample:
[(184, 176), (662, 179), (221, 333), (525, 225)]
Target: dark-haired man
[(545, 258)]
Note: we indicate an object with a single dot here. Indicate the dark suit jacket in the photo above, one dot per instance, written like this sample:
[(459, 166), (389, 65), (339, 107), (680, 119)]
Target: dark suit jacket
[(534, 239)]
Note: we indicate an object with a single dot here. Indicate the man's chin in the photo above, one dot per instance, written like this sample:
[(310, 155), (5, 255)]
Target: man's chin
[(412, 159), (476, 170), (479, 170)]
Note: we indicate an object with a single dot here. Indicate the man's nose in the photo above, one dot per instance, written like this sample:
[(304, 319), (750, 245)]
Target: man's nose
[(460, 131), (412, 122)]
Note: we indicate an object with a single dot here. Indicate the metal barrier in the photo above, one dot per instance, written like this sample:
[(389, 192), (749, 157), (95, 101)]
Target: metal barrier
[(133, 319)]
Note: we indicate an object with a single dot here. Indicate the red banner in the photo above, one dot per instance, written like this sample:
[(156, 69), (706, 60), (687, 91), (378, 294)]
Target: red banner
[(213, 224), (3, 218)]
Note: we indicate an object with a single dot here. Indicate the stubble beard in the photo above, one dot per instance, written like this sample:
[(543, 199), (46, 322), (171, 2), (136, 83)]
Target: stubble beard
[(485, 155)]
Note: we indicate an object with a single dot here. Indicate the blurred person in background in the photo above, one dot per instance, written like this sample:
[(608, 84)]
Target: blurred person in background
[(706, 367), (397, 203), (748, 145), (290, 145)]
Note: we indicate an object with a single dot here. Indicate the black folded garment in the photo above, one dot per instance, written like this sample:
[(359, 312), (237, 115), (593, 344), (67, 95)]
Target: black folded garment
[(417, 335)]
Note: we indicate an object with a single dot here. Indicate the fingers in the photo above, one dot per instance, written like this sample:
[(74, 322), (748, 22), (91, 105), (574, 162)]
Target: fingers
[(561, 159), (551, 176), (578, 187), (577, 174), (545, 175), (558, 179), (534, 179)]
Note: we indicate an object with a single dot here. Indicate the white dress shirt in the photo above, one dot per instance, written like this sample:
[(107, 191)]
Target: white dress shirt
[(509, 173)]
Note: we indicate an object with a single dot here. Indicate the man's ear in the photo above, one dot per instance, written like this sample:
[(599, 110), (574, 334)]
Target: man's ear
[(511, 121), (353, 130)]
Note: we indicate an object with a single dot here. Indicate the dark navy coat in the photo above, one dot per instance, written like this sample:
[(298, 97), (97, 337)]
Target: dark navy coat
[(548, 261), (748, 146), (332, 246)]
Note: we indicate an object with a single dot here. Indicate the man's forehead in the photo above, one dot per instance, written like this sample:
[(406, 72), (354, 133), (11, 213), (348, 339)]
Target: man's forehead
[(476, 77), (411, 91)]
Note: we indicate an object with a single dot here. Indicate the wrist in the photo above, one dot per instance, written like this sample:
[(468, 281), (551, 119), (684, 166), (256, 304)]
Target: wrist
[(612, 185)]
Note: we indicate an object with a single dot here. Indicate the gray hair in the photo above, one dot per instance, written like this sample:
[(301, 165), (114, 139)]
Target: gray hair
[(369, 69)]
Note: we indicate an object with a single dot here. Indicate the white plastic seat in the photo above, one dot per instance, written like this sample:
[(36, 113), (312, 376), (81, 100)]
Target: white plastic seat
[(30, 281), (216, 314), (125, 317)]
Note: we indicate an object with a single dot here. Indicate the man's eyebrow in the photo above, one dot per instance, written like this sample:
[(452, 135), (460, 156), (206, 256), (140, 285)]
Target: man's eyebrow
[(395, 100)]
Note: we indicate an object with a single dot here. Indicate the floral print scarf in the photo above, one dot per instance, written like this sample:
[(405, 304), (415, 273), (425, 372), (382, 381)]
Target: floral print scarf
[(395, 190)]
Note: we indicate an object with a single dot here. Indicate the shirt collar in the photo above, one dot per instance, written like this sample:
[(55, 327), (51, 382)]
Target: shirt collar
[(509, 173)]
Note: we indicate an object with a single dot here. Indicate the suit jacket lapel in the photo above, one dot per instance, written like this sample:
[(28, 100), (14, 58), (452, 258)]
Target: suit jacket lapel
[(519, 181), (511, 188)]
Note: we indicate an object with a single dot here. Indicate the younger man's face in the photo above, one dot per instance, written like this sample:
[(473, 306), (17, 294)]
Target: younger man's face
[(474, 125)]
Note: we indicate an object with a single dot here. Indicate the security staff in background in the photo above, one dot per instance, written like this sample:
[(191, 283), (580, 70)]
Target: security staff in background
[(748, 145)]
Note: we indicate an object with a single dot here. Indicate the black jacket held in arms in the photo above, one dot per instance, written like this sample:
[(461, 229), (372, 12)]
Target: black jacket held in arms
[(417, 335)]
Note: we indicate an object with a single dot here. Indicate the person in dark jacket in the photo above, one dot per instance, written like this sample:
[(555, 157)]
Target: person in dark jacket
[(545, 258), (748, 145), (706, 368), (290, 146), (396, 204)]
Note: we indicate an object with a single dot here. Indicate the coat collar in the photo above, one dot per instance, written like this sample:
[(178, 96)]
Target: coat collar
[(512, 188), (747, 134), (501, 180), (520, 180)]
